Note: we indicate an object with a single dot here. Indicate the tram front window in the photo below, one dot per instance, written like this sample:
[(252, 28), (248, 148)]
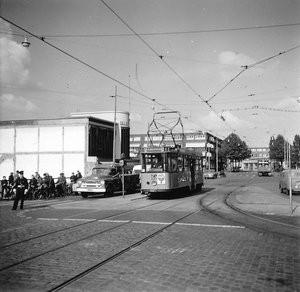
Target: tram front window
[(153, 162)]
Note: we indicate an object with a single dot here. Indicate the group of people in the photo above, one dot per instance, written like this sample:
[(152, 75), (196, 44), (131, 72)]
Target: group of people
[(20, 188)]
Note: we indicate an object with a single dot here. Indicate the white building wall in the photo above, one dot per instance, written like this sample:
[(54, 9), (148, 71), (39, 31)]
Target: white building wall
[(7, 140), (27, 140), (44, 148)]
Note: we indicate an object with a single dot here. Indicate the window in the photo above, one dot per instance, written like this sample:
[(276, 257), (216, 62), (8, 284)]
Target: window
[(100, 142), (154, 162)]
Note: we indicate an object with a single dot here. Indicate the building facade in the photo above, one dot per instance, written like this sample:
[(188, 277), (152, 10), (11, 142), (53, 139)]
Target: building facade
[(257, 154), (61, 145), (207, 143)]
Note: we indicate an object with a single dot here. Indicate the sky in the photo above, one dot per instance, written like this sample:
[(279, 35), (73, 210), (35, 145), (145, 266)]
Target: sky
[(227, 66)]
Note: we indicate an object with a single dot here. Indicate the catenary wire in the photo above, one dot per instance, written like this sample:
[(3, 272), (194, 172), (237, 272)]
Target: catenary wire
[(168, 33)]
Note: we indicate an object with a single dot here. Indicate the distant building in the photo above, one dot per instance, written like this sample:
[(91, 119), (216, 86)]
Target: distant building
[(257, 154), (207, 143)]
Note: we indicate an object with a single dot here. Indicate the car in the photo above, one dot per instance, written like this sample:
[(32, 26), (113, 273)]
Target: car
[(284, 181), (210, 174)]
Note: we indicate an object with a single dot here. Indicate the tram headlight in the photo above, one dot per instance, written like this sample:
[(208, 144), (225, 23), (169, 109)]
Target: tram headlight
[(154, 183)]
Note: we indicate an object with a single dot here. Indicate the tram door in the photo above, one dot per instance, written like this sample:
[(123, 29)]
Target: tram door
[(192, 167)]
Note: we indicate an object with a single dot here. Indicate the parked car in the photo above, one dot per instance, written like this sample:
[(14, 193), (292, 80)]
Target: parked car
[(284, 181), (210, 174)]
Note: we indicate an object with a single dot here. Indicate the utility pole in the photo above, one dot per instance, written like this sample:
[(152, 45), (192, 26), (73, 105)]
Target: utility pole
[(217, 156), (115, 119), (290, 178)]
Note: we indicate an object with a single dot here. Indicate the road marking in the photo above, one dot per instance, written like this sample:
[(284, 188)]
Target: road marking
[(144, 222), (79, 219), (210, 225), (115, 221), (148, 222)]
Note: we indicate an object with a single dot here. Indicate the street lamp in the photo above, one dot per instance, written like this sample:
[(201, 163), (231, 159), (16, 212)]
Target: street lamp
[(26, 43)]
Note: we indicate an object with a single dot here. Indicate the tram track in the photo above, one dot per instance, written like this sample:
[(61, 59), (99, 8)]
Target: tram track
[(151, 229), (73, 228), (70, 227), (77, 225), (115, 256), (250, 220)]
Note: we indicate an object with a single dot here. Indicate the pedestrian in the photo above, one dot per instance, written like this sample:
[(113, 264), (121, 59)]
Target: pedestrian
[(51, 185), (39, 179), (21, 186), (78, 175), (16, 175), (4, 187), (45, 189), (11, 178), (33, 184), (73, 180), (61, 184)]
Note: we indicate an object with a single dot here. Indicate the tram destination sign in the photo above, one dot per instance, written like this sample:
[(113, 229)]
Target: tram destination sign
[(159, 149)]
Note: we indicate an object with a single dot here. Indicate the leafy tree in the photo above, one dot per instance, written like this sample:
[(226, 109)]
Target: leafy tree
[(295, 152), (234, 149), (277, 148)]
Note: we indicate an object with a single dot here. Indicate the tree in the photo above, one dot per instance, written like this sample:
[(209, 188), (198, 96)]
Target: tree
[(234, 149), (277, 148), (295, 152)]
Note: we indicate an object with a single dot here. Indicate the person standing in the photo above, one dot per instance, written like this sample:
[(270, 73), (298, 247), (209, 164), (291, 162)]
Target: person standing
[(21, 185), (78, 175), (4, 187), (11, 178), (73, 180), (61, 184)]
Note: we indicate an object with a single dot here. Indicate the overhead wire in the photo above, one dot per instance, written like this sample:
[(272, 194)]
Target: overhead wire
[(162, 58), (168, 33), (84, 63), (246, 67)]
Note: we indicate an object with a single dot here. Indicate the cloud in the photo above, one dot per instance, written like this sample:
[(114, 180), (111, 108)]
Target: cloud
[(136, 117), (213, 122), (288, 103), (14, 59), (232, 63), (12, 103)]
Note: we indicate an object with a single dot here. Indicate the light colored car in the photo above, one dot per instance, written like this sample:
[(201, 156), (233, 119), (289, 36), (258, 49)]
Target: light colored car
[(284, 181), (210, 174)]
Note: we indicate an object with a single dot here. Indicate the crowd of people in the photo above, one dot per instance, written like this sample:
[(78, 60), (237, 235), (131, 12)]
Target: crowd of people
[(19, 188)]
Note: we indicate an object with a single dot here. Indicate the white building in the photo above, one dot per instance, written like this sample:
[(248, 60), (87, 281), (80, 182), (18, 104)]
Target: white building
[(62, 145)]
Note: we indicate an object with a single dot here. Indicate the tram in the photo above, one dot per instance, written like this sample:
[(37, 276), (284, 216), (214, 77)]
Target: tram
[(168, 167), (170, 170)]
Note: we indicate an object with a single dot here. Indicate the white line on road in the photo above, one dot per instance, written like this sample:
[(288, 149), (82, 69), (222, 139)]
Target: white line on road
[(115, 221), (210, 225), (79, 219), (147, 222), (144, 222)]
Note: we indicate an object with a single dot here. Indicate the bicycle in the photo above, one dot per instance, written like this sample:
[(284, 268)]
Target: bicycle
[(10, 194)]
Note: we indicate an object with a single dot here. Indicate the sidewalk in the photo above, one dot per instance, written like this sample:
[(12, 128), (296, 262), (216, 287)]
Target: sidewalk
[(259, 200)]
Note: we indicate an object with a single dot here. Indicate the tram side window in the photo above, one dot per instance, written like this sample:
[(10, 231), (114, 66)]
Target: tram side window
[(198, 166), (180, 163), (172, 162), (187, 164)]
